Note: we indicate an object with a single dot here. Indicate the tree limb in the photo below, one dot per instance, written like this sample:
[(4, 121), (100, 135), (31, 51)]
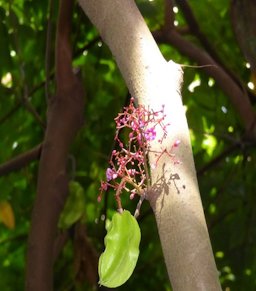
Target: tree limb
[(218, 159), (65, 117), (237, 97), (10, 113), (195, 29), (20, 161), (48, 50), (156, 83)]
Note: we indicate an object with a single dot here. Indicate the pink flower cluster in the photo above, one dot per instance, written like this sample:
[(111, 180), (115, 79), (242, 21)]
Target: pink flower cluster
[(128, 165)]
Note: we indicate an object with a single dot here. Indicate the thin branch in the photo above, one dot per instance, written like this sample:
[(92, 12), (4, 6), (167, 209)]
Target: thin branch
[(242, 144), (48, 50), (218, 159), (85, 256), (30, 108), (24, 100), (87, 46), (169, 16), (64, 120), (18, 237), (195, 29), (60, 242), (22, 79), (20, 161), (10, 113), (39, 86), (220, 218), (237, 96)]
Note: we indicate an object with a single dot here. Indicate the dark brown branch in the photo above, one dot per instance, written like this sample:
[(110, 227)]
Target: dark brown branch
[(237, 96), (237, 145), (36, 88), (63, 68), (60, 241), (217, 221), (85, 257), (169, 16), (218, 159), (42, 84), (22, 80), (65, 117), (30, 108), (20, 161), (24, 100), (10, 113), (88, 46), (18, 237), (195, 29), (48, 50)]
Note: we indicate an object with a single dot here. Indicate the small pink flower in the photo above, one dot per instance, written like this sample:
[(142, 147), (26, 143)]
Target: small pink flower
[(134, 125), (131, 172), (103, 186), (132, 195), (110, 174), (150, 134), (176, 143), (141, 123)]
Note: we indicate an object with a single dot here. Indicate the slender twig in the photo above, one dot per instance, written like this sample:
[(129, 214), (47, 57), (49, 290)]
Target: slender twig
[(20, 161), (137, 211), (169, 16), (237, 96), (10, 113), (195, 29), (48, 51), (40, 85), (19, 237), (218, 159), (30, 108)]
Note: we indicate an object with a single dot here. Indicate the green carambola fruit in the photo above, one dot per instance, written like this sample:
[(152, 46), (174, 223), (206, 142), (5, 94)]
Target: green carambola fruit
[(119, 259)]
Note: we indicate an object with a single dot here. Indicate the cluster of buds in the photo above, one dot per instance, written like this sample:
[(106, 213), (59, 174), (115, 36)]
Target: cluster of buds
[(128, 165)]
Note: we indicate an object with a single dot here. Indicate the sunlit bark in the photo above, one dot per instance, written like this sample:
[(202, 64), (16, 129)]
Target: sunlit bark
[(175, 197)]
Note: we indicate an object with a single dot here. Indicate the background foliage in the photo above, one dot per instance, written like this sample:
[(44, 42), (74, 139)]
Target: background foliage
[(224, 160)]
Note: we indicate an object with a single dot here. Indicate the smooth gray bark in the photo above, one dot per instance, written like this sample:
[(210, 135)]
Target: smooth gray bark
[(175, 197)]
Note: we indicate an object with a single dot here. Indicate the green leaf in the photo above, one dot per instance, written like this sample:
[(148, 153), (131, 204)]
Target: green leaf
[(119, 259), (74, 207)]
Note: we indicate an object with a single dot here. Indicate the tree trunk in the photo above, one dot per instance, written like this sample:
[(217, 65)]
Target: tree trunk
[(65, 117), (175, 197)]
